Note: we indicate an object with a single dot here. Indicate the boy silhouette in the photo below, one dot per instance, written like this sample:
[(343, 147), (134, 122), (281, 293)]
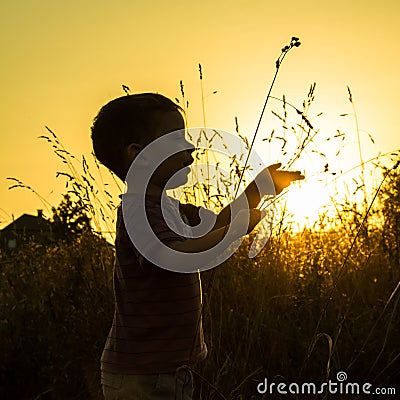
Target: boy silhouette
[(157, 328)]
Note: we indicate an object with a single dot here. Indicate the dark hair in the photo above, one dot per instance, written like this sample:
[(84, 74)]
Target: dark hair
[(125, 120)]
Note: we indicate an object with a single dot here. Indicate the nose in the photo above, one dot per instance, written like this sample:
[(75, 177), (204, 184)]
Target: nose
[(190, 158), (190, 150)]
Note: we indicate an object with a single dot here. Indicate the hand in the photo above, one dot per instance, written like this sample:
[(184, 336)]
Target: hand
[(282, 179), (247, 220)]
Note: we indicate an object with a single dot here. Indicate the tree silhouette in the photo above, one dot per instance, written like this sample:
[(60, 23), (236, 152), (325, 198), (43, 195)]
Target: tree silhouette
[(70, 219)]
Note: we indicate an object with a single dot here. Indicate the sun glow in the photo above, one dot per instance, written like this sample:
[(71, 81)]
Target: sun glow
[(305, 201)]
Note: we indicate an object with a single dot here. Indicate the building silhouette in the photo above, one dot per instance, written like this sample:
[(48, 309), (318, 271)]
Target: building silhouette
[(25, 228)]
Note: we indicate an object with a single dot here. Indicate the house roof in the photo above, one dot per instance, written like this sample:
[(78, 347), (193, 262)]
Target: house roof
[(28, 223)]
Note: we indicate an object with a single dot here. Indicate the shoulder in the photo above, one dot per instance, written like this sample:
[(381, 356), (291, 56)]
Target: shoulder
[(192, 212)]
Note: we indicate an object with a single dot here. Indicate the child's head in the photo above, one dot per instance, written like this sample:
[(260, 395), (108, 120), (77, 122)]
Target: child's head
[(134, 120)]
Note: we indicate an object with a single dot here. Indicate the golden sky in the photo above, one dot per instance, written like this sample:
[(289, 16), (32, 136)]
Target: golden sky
[(62, 60)]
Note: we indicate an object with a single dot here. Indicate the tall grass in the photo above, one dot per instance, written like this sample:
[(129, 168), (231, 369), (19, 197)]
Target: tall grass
[(314, 302), (55, 306)]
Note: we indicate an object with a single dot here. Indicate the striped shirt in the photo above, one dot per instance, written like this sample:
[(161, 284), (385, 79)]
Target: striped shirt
[(157, 324)]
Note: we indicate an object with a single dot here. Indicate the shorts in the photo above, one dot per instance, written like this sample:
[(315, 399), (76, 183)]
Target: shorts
[(148, 387)]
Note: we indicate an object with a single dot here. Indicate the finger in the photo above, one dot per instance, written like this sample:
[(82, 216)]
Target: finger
[(275, 166), (298, 178), (297, 175)]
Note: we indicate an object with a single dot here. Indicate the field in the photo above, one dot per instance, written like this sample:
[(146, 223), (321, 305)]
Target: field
[(310, 305), (315, 303)]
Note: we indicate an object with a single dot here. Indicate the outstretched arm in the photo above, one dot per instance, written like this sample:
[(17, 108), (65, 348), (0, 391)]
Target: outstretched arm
[(243, 223), (258, 188)]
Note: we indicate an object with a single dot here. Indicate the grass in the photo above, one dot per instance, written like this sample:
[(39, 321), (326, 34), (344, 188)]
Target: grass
[(313, 303), (56, 305)]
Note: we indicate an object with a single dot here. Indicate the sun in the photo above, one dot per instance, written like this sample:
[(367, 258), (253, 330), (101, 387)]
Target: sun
[(305, 201)]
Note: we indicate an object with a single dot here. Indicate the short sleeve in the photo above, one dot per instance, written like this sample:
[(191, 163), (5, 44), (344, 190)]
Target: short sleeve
[(144, 243), (161, 229), (192, 213)]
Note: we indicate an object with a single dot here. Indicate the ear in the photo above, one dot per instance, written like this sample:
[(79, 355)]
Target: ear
[(132, 150)]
